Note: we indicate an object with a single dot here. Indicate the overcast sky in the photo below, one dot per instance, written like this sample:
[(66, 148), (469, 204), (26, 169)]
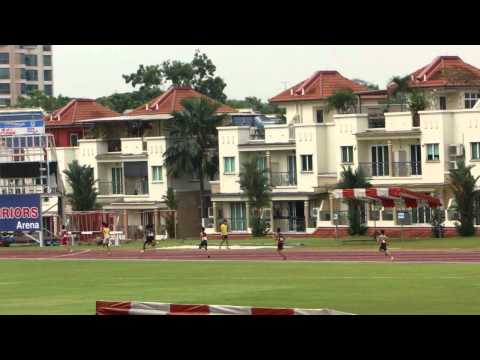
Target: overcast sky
[(259, 70)]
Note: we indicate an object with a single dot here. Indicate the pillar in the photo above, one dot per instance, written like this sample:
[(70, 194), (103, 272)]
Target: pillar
[(390, 158), (307, 213), (125, 223), (330, 199), (269, 166), (272, 225), (214, 206), (155, 221)]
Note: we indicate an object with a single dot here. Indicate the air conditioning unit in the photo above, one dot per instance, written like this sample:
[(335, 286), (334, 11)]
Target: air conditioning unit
[(455, 150), (210, 213), (452, 165)]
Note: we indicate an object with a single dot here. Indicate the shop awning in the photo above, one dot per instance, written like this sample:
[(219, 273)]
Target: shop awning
[(388, 196)]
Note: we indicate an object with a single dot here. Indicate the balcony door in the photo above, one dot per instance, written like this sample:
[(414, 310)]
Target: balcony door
[(292, 169), (380, 160), (117, 186), (416, 159), (238, 216)]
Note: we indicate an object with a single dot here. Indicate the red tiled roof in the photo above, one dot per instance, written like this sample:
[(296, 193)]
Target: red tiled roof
[(76, 110), (171, 101), (445, 71), (319, 86)]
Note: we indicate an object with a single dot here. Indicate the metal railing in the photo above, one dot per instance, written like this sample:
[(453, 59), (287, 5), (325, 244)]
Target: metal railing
[(376, 121), (109, 188), (133, 186), (114, 145), (406, 168), (294, 224), (284, 179), (375, 168)]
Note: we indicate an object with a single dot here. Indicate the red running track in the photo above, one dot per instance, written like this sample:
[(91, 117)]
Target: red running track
[(251, 255)]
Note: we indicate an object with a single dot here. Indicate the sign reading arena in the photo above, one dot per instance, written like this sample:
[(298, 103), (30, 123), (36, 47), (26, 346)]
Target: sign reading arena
[(20, 212)]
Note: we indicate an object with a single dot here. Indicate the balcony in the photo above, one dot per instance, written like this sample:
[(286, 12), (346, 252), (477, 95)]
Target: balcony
[(399, 169), (114, 145), (284, 179), (133, 187)]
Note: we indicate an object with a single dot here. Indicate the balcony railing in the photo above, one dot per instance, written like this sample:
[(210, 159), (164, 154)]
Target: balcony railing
[(114, 145), (109, 188), (133, 186), (406, 168), (376, 121), (375, 168), (294, 224), (284, 179)]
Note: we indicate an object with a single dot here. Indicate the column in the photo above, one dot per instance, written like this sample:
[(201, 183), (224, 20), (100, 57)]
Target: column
[(390, 158), (155, 221), (307, 213), (272, 225), (330, 199), (269, 166), (247, 207), (214, 206), (125, 223)]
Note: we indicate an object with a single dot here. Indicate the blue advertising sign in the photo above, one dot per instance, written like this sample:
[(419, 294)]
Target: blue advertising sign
[(20, 123), (20, 212)]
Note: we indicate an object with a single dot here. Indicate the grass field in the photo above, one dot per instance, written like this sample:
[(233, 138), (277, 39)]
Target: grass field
[(72, 287)]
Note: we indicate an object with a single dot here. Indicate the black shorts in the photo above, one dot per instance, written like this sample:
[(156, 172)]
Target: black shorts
[(224, 237), (203, 244), (280, 246), (383, 247), (150, 239)]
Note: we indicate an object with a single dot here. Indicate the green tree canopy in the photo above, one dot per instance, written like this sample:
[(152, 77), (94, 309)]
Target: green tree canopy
[(39, 99), (120, 102), (343, 101)]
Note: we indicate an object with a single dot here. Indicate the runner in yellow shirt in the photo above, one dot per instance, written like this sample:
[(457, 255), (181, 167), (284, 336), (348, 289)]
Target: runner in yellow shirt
[(224, 232)]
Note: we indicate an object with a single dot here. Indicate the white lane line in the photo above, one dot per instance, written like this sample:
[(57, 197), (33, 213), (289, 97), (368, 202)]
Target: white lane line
[(73, 253)]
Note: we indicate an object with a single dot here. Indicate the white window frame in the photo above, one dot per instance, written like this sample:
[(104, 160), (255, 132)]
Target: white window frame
[(349, 154), (436, 146), (475, 145), (160, 179), (229, 165), (471, 99), (309, 168)]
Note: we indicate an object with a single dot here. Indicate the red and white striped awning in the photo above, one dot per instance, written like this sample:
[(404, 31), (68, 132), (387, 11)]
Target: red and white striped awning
[(388, 196), (152, 308)]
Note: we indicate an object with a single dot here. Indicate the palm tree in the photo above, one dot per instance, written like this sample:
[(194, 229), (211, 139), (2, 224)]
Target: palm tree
[(343, 101), (82, 182), (462, 184), (255, 184), (193, 145), (351, 179), (398, 89)]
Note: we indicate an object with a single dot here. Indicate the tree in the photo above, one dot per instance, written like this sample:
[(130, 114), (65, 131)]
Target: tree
[(82, 182), (38, 99), (254, 182), (417, 101), (343, 101), (120, 102), (367, 84), (193, 145), (171, 202), (462, 184), (398, 89), (351, 179), (199, 74)]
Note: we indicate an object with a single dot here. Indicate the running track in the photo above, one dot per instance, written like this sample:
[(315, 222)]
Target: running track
[(423, 256)]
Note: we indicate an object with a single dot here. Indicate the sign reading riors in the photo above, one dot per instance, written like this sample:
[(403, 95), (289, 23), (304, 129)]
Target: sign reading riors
[(20, 212)]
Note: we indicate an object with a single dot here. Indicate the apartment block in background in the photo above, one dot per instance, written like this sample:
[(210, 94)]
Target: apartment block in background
[(23, 69)]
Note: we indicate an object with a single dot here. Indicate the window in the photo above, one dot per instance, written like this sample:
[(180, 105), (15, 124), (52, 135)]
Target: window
[(471, 99), (47, 75), (475, 146), (433, 152), (442, 103), (319, 116), (4, 58), (387, 214), (262, 163), (157, 173), (29, 88), (30, 60), (228, 165), (47, 47), (31, 75), (47, 60), (347, 154), (23, 74), (4, 88), (4, 73), (307, 163), (73, 139), (47, 89), (4, 102)]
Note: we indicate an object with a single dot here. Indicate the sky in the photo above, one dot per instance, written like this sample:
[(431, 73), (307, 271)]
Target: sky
[(263, 71)]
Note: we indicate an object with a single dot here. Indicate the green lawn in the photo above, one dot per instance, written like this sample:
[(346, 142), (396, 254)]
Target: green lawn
[(72, 287), (414, 244)]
